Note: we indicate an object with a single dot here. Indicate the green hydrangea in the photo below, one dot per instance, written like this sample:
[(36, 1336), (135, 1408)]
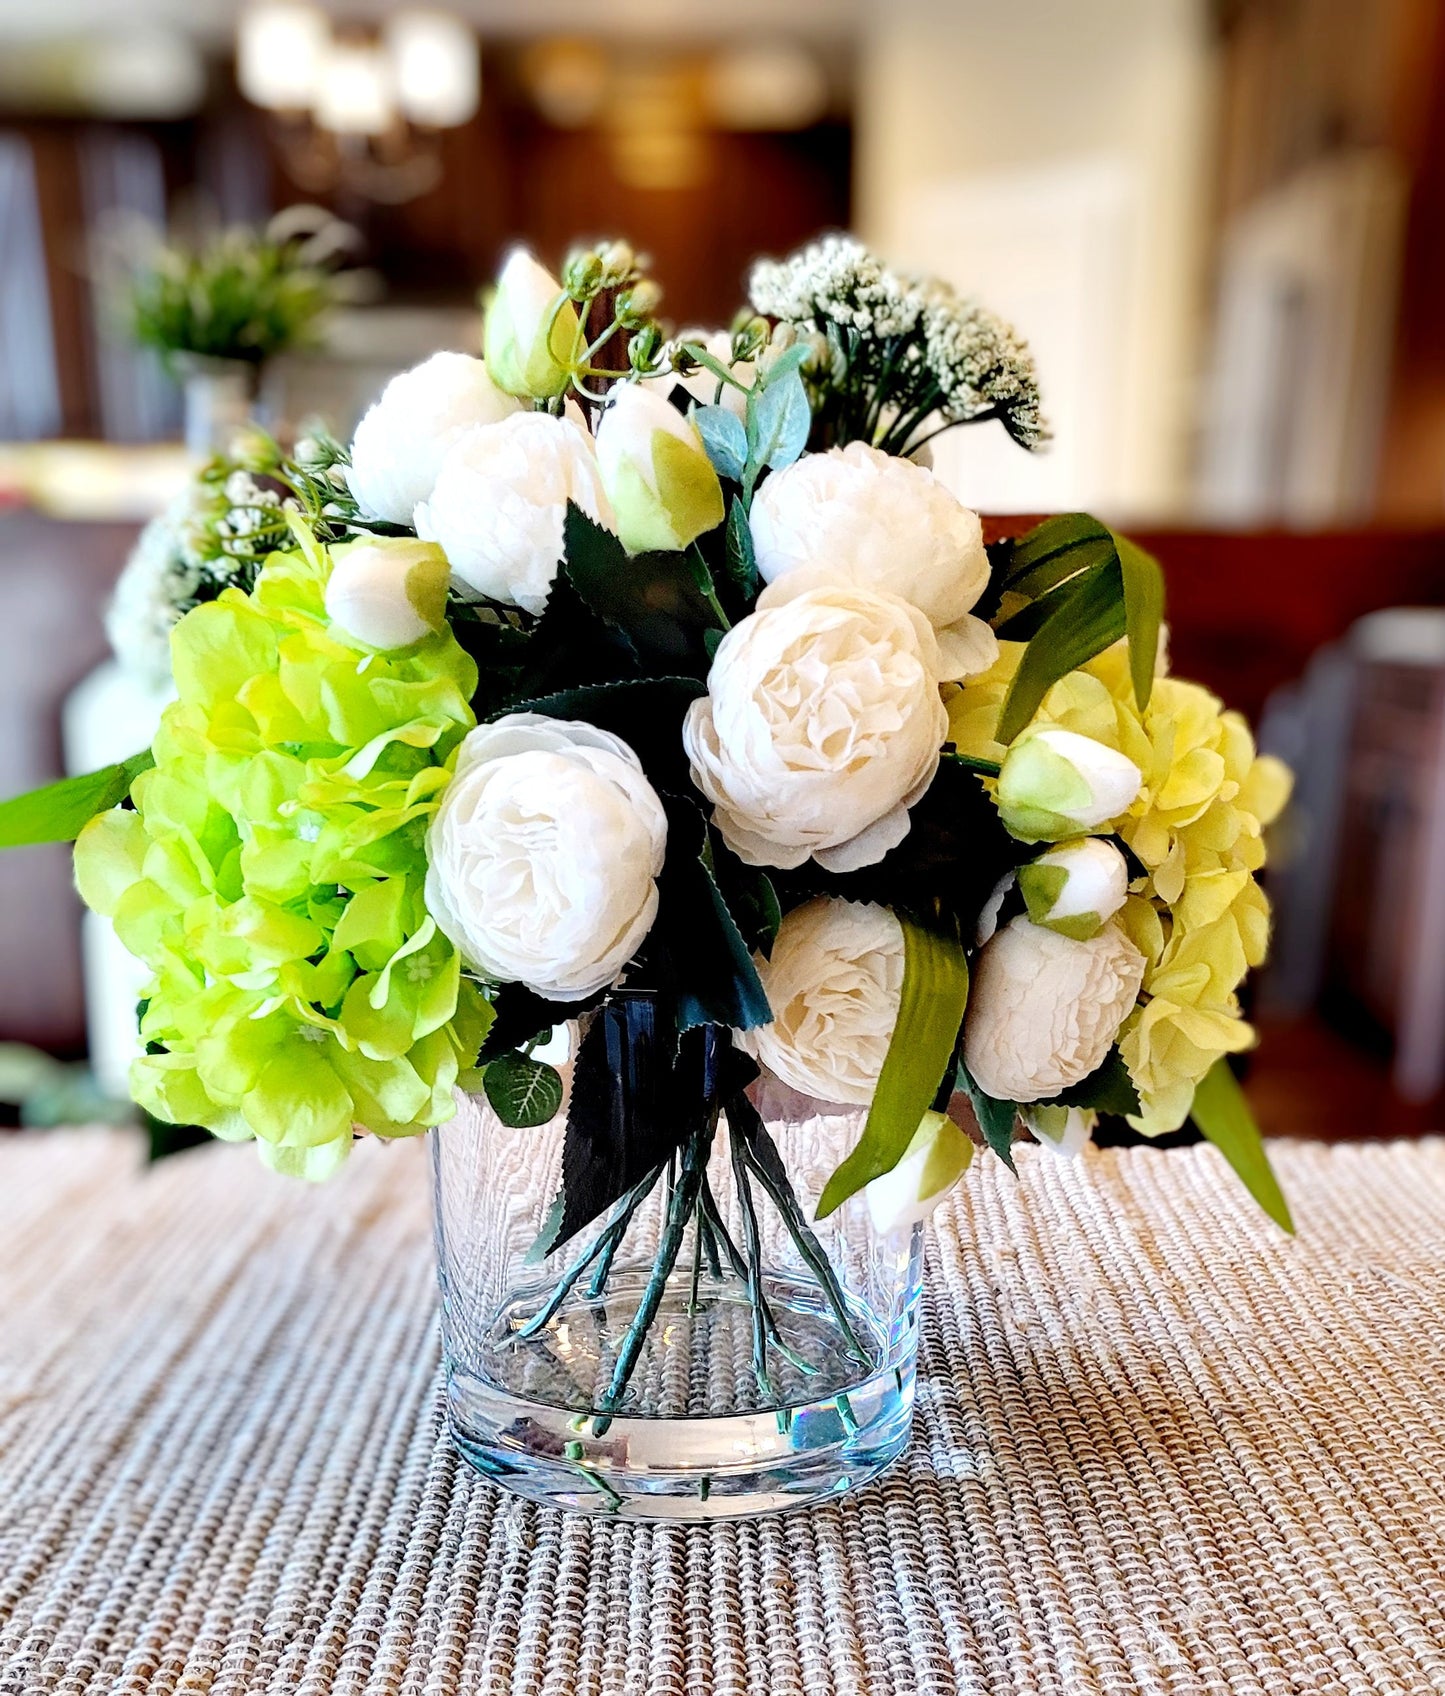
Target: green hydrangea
[(271, 877)]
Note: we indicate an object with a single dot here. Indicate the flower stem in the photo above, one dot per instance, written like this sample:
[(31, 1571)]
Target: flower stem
[(754, 1248), (603, 1246)]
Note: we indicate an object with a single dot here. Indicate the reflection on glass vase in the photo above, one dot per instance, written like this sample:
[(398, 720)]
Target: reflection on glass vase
[(700, 1349)]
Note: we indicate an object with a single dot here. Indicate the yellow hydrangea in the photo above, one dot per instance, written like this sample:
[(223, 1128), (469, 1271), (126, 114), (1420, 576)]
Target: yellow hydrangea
[(1199, 918)]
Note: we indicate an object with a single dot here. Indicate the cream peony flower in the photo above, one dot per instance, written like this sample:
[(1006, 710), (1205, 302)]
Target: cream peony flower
[(856, 516), (834, 981), (1044, 1008), (544, 853), (500, 504), (821, 727), (399, 445)]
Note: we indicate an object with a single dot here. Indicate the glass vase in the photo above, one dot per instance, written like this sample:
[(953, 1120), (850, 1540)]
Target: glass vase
[(700, 1350)]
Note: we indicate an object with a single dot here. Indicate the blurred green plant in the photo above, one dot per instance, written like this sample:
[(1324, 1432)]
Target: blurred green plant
[(45, 1092), (243, 294)]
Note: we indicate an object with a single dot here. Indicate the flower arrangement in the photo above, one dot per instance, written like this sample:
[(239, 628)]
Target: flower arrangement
[(612, 662)]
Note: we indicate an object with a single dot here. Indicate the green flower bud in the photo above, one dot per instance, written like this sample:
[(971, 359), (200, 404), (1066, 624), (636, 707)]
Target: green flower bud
[(582, 275), (932, 1164), (1062, 1130), (1074, 888), (636, 305), (657, 474), (387, 592), (529, 331), (1055, 784)]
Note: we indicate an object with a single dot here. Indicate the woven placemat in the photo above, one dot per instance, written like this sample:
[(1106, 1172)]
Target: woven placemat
[(1158, 1448)]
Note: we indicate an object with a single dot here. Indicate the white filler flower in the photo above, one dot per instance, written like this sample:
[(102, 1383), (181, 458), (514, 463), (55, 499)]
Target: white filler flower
[(543, 856), (834, 981), (1043, 1009), (399, 445), (857, 516), (821, 727), (500, 504)]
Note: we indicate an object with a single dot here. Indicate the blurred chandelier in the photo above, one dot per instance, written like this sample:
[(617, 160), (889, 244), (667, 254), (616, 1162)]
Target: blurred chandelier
[(356, 109)]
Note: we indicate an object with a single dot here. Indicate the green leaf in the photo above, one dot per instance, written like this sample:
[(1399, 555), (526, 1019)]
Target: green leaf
[(779, 421), (1143, 612), (1223, 1115), (646, 712), (725, 439), (995, 1118), (652, 598), (1107, 1089), (1055, 538), (523, 1092), (1083, 618), (935, 993), (742, 563), (58, 812), (790, 360)]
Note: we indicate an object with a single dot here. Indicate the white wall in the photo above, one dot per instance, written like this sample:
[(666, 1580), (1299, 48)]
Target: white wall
[(994, 134)]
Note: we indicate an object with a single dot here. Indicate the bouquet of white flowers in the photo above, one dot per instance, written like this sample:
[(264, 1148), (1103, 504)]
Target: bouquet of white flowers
[(662, 677)]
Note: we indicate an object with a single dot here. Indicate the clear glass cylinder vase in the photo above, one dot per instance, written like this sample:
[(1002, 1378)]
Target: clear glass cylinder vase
[(703, 1349)]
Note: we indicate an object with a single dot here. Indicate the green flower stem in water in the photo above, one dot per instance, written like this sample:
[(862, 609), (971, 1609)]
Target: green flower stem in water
[(603, 1247), (755, 1268)]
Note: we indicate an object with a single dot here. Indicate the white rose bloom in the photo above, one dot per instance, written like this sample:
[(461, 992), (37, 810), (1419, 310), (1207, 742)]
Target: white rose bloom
[(1043, 1009), (399, 445), (834, 981), (500, 504), (1075, 887), (821, 727), (543, 856), (856, 516), (703, 385)]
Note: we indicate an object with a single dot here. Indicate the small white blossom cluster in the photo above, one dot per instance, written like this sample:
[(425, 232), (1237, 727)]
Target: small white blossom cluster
[(158, 583), (836, 280), (981, 363)]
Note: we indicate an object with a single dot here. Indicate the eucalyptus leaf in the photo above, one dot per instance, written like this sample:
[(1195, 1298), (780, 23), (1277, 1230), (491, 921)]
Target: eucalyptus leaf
[(523, 1092), (725, 438), (779, 422), (60, 811), (742, 563), (930, 1012), (790, 360), (1223, 1115)]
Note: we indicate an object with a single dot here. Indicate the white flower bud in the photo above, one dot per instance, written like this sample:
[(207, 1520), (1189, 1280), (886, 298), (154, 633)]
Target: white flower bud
[(1056, 784), (529, 331), (1075, 887), (1064, 1131), (932, 1164), (662, 486), (387, 591), (1044, 1009), (400, 444)]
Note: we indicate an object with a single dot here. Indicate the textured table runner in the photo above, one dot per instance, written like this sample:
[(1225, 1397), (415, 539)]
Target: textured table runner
[(1158, 1448)]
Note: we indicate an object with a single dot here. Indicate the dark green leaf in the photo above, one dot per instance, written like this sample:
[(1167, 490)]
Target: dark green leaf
[(1107, 1089), (995, 1118), (60, 811), (163, 1140), (523, 1092), (1056, 536), (1223, 1115), (520, 1015), (1084, 617), (725, 439), (1143, 612), (653, 599), (779, 420), (646, 712), (742, 564), (935, 992)]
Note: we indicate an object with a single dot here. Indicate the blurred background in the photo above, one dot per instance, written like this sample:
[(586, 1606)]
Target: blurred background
[(1219, 223)]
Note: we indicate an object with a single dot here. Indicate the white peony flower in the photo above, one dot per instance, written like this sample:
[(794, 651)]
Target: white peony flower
[(834, 981), (856, 516), (1075, 887), (1056, 784), (543, 856), (1043, 1009), (1064, 1131), (500, 504), (821, 727), (387, 591), (529, 330), (656, 472), (934, 1161), (399, 445)]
